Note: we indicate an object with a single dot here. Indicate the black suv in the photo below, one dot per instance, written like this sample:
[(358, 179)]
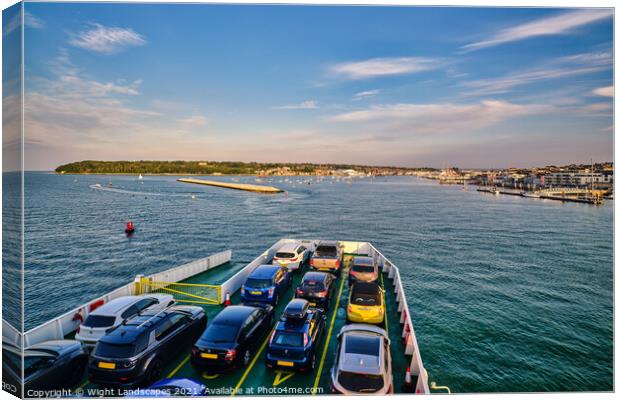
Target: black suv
[(134, 353)]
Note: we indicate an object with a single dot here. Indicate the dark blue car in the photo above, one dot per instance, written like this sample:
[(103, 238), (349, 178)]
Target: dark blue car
[(266, 284), (171, 388), (295, 340)]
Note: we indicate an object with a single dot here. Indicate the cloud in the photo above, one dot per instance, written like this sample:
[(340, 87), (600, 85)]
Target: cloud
[(578, 64), (378, 67), (366, 94), (107, 40), (32, 21), (555, 25), (607, 91), (195, 121), (438, 118), (15, 22), (304, 105)]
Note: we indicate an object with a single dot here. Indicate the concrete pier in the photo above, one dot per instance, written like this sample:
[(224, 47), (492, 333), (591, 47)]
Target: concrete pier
[(236, 186)]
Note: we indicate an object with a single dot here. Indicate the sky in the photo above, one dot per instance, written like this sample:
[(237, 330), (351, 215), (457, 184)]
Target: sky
[(402, 86)]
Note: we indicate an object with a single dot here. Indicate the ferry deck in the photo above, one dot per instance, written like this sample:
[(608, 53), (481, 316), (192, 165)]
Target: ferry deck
[(219, 275)]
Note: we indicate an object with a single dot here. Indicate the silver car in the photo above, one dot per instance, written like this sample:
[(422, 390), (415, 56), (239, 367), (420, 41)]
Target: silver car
[(363, 361), (113, 313)]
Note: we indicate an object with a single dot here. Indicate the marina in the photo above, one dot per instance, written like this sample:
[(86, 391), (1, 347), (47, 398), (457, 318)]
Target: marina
[(211, 281), (565, 195)]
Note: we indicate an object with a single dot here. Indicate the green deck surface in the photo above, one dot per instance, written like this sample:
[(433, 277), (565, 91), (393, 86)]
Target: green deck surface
[(257, 379)]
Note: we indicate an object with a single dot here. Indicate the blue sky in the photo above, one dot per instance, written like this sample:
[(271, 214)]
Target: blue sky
[(470, 87)]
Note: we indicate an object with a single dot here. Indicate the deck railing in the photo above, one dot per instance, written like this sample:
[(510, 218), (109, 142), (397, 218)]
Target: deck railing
[(408, 333), (68, 322)]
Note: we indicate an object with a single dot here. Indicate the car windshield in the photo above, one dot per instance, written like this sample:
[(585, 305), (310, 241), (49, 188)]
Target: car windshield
[(313, 286), (363, 344), (365, 269), (367, 383), (99, 321), (113, 350), (285, 255), (365, 299), (293, 339), (326, 251), (258, 283), (220, 333)]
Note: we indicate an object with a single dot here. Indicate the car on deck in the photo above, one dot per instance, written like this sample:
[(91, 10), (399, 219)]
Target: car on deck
[(233, 337), (54, 364), (366, 303), (134, 354), (266, 284), (172, 388), (363, 269), (292, 255), (110, 315), (294, 343), (327, 257), (363, 362), (318, 288)]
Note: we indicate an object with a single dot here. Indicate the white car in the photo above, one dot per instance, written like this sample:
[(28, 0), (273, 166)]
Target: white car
[(363, 361), (292, 256), (115, 312)]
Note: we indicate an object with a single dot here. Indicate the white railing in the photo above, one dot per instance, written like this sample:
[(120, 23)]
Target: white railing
[(10, 334), (408, 333), (63, 325)]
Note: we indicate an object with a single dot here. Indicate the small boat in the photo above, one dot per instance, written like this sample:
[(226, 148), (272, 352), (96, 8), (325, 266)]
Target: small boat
[(140, 177), (530, 194)]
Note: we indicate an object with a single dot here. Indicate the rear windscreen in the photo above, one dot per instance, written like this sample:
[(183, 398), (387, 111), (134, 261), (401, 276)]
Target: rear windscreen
[(365, 269), (313, 286), (99, 321), (109, 350), (258, 283), (365, 299), (220, 333), (365, 383), (285, 255), (326, 251), (293, 339)]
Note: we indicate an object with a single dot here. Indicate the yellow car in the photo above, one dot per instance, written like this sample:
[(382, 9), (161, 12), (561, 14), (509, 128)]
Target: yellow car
[(366, 304)]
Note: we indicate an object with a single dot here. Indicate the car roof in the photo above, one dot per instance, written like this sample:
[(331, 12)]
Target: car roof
[(116, 305), (314, 276), (289, 247), (233, 315), (134, 327), (361, 362), (359, 260), (366, 288), (53, 345), (264, 271)]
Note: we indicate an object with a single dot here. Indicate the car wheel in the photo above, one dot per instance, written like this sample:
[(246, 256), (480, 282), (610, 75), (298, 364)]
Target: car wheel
[(153, 373), (247, 357), (75, 372)]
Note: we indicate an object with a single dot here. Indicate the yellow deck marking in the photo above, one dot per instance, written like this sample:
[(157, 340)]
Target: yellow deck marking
[(174, 371), (281, 376), (247, 371), (329, 332), (83, 384), (206, 375), (387, 330)]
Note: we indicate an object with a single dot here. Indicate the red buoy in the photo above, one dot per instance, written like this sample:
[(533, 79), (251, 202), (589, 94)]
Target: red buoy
[(129, 228)]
